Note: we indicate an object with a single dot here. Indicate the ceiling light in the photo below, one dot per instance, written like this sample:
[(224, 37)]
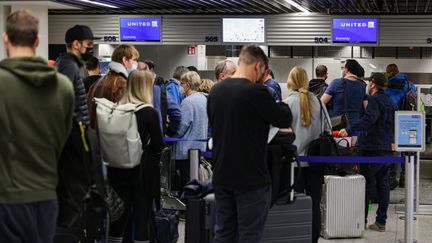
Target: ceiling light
[(98, 3), (297, 6), (372, 66)]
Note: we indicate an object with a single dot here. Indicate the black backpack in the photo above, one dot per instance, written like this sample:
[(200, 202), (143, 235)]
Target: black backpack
[(409, 101), (80, 190)]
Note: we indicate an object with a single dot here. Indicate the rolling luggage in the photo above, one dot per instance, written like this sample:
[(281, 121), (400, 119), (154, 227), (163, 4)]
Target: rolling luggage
[(343, 206), (289, 221), (290, 217), (200, 220)]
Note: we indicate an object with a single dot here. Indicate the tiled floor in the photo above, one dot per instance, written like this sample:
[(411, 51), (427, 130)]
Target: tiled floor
[(394, 230), (395, 226)]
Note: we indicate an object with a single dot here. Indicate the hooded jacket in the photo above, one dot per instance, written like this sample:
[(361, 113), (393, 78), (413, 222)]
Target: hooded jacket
[(36, 107), (397, 88), (318, 87)]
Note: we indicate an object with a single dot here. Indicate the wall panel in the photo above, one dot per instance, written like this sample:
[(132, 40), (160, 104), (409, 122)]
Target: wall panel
[(281, 30), (101, 25), (191, 29), (405, 30), (292, 29)]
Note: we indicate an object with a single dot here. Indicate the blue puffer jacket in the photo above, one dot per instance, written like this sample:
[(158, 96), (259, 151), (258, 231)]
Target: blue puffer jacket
[(397, 89)]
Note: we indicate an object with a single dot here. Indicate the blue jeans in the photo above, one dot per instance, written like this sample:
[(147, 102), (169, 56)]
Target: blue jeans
[(379, 173), (241, 214), (28, 222)]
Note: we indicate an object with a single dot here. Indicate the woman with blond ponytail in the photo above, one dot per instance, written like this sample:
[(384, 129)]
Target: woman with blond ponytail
[(308, 123)]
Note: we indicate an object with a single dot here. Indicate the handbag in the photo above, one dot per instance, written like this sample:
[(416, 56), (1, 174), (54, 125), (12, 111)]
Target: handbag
[(345, 149), (324, 145), (205, 170), (341, 121)]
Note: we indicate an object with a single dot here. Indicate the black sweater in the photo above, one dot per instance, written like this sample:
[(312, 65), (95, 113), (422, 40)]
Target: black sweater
[(240, 114)]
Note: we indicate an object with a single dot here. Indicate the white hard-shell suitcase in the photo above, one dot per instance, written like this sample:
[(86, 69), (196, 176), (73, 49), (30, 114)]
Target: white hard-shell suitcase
[(343, 206)]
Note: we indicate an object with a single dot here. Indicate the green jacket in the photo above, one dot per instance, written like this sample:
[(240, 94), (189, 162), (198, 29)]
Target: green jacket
[(36, 108)]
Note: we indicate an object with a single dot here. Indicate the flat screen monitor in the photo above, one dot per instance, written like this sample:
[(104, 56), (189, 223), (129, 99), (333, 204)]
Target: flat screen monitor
[(140, 29), (355, 30), (243, 30)]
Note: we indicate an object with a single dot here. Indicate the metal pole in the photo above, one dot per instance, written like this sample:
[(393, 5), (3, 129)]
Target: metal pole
[(409, 198), (194, 163), (417, 178)]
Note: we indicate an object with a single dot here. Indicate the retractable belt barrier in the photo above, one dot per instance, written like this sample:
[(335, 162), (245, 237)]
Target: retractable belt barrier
[(314, 159), (175, 140)]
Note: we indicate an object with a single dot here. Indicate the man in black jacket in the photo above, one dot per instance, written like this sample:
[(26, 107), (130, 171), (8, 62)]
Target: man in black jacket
[(77, 218), (240, 113), (79, 44), (318, 85), (376, 138)]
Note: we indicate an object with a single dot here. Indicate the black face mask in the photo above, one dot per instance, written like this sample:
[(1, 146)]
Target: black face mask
[(87, 54)]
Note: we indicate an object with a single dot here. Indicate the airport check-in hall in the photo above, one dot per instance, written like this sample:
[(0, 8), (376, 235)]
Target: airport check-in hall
[(216, 121)]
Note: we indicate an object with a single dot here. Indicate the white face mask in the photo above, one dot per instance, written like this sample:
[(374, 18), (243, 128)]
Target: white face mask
[(132, 68)]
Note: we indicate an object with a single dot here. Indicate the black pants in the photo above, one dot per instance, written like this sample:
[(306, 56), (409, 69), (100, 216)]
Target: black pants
[(128, 183), (311, 182)]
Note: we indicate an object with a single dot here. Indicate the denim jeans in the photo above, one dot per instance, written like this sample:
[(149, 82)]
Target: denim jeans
[(241, 214), (28, 222), (380, 174)]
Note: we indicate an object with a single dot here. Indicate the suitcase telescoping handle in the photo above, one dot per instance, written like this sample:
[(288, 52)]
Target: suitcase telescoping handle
[(297, 179), (291, 158)]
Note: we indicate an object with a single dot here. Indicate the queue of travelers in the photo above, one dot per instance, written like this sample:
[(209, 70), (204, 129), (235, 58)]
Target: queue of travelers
[(54, 185)]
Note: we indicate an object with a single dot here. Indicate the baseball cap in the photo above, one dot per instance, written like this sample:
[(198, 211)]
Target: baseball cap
[(378, 78), (79, 32)]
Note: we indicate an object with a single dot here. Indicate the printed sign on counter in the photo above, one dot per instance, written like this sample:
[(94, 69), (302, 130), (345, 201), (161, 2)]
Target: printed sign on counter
[(410, 131)]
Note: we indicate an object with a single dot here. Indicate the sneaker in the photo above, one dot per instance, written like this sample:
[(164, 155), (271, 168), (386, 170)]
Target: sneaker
[(377, 227)]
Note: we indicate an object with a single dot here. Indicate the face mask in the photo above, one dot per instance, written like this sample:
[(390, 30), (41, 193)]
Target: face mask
[(87, 54), (132, 68)]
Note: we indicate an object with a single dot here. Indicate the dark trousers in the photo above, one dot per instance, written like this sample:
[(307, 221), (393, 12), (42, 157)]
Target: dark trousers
[(311, 181), (28, 222), (128, 183), (183, 167), (380, 174), (241, 214)]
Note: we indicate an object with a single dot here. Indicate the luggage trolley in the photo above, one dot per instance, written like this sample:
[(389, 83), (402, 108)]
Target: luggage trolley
[(167, 172)]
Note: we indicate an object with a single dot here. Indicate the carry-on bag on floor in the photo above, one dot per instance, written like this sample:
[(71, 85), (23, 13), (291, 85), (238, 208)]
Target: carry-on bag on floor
[(290, 218), (167, 226), (200, 220), (343, 206)]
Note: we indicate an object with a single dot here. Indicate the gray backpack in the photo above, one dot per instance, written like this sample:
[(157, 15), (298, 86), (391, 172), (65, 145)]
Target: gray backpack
[(120, 142)]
